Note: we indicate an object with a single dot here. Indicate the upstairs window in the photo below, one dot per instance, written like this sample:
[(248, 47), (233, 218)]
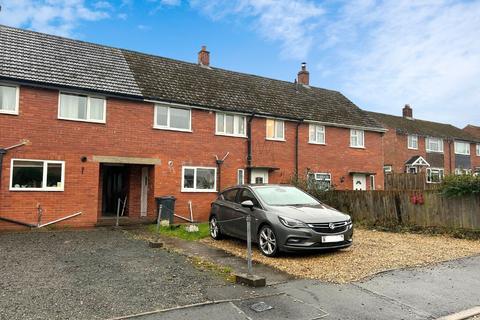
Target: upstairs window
[(434, 144), (231, 125), (357, 138), (81, 108), (275, 129), (462, 148), (172, 118), (412, 141), (8, 99), (37, 175), (316, 134)]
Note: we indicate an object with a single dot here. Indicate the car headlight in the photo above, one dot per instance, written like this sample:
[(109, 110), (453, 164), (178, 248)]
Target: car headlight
[(292, 223)]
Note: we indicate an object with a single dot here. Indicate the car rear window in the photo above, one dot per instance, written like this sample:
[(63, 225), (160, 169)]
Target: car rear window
[(230, 195), (284, 196)]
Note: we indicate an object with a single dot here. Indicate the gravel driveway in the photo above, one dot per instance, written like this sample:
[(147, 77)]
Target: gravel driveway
[(372, 252), (92, 274)]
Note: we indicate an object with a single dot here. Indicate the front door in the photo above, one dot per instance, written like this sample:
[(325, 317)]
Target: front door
[(259, 176), (144, 192), (115, 188), (359, 182)]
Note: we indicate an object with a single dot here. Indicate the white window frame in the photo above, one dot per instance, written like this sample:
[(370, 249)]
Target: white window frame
[(235, 126), (275, 133), (315, 128), (89, 97), (411, 138), (168, 127), (372, 182), (17, 99), (460, 171), (44, 178), (388, 169), (314, 174), (240, 181), (427, 144), (442, 170), (478, 149), (456, 143), (194, 189), (354, 132)]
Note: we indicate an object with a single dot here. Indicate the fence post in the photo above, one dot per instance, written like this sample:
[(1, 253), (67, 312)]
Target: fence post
[(158, 217), (118, 212), (249, 244)]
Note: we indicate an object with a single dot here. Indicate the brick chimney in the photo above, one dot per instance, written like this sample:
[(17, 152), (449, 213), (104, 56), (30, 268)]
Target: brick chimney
[(204, 57), (407, 112), (304, 75)]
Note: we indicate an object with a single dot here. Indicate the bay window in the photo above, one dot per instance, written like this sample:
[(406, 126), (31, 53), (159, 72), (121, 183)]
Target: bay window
[(435, 175)]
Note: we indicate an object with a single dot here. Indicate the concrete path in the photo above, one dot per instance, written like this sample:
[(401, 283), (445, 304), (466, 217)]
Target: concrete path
[(419, 293)]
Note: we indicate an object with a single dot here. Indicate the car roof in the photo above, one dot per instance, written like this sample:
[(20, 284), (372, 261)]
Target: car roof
[(256, 186)]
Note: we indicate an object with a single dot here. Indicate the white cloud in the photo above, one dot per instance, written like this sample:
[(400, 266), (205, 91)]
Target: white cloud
[(291, 22), (426, 53), (59, 17)]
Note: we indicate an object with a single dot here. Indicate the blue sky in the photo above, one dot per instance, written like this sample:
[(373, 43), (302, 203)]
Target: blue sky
[(380, 54)]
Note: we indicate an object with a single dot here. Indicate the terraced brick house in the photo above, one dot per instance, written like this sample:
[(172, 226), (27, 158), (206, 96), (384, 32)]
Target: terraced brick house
[(412, 145), (84, 125)]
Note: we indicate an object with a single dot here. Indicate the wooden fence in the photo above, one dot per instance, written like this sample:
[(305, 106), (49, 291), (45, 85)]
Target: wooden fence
[(408, 181), (394, 208)]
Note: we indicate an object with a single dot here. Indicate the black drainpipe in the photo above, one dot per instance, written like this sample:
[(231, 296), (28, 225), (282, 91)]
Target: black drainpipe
[(219, 175), (2, 152), (296, 149), (249, 151)]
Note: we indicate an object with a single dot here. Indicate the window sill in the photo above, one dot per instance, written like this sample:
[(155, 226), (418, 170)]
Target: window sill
[(412, 148), (354, 147), (272, 139), (172, 129), (10, 113), (317, 143), (230, 135), (462, 154), (35, 190), (81, 120), (199, 190), (431, 151)]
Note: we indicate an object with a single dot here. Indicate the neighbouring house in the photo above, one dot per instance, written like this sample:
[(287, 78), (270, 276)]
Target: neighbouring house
[(412, 145), (84, 125)]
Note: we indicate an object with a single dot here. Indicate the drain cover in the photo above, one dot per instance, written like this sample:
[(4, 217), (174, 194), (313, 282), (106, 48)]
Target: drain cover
[(260, 307)]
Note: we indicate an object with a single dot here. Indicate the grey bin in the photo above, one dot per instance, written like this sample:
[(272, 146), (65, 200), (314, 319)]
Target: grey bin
[(168, 207)]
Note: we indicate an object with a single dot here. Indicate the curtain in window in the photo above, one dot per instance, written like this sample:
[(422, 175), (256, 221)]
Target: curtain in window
[(8, 98), (179, 118), (96, 109), (73, 107)]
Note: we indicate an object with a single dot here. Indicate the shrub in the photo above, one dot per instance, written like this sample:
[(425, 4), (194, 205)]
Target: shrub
[(460, 185)]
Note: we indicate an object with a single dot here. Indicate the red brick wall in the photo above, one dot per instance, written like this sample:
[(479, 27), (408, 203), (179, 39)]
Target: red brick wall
[(129, 132)]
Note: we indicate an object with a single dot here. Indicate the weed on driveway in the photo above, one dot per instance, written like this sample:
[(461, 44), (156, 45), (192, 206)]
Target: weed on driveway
[(371, 253)]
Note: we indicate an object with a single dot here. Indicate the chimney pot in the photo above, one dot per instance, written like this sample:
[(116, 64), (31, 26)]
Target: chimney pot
[(407, 112), (304, 75), (204, 57)]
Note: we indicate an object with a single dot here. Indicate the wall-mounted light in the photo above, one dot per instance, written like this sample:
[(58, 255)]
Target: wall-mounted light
[(83, 159), (342, 179)]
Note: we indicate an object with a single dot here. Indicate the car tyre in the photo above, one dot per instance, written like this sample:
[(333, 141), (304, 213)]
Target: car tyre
[(267, 241), (214, 227)]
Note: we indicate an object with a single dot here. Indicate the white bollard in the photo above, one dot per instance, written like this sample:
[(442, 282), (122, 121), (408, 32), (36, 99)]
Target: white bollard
[(249, 245)]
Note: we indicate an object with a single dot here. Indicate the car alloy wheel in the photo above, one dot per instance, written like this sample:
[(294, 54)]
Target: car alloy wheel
[(267, 241), (214, 228)]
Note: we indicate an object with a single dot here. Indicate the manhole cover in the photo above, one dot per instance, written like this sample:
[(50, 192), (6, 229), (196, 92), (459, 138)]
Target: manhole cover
[(260, 307)]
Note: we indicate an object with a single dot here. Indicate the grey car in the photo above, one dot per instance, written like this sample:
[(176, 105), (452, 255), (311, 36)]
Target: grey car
[(284, 218)]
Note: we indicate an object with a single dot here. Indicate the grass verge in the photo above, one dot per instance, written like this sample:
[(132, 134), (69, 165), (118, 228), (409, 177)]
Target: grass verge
[(178, 231)]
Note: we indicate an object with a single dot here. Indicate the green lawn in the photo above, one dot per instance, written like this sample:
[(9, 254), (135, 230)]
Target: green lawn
[(179, 231)]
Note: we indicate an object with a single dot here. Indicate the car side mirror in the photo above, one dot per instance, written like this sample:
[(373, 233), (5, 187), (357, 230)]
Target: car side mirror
[(248, 204)]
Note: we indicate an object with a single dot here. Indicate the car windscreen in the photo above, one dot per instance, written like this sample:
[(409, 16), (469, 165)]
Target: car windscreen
[(284, 196)]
